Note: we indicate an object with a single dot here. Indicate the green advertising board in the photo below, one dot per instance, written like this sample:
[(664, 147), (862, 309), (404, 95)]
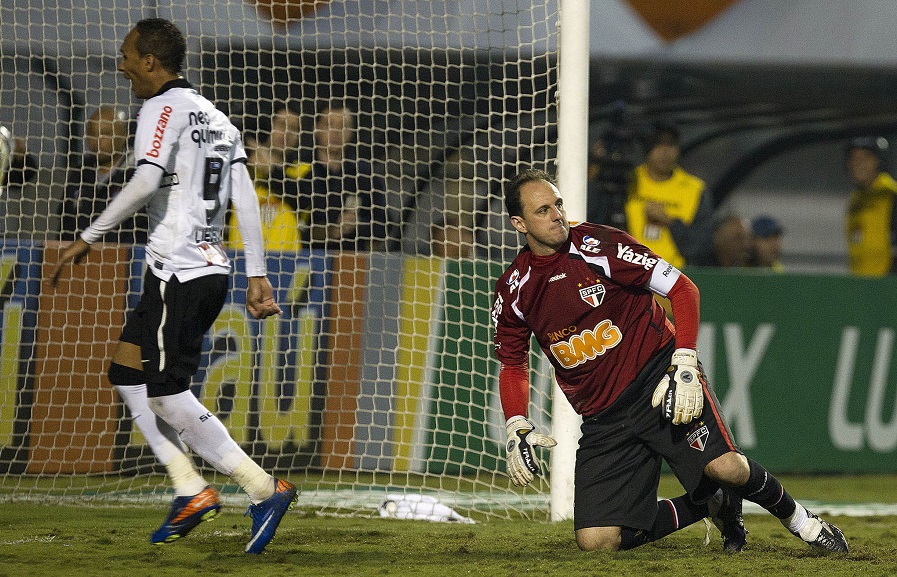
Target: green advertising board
[(803, 367)]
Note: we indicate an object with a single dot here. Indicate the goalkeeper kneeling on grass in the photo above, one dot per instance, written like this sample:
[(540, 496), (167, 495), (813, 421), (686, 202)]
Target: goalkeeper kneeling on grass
[(587, 294)]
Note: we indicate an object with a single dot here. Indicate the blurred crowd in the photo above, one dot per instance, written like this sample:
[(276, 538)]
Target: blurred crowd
[(671, 211), (323, 194)]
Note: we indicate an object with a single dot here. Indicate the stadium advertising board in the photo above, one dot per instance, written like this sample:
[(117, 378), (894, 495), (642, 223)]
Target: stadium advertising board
[(384, 362)]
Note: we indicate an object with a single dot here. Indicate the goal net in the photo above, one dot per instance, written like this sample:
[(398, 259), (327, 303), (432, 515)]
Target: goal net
[(378, 381)]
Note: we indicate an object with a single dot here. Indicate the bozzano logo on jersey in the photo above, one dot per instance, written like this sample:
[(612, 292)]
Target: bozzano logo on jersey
[(587, 345)]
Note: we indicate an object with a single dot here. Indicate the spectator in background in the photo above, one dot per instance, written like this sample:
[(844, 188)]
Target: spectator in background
[(451, 239), (731, 242), (20, 165), (105, 168), (278, 145), (345, 199), (766, 243), (668, 209), (871, 220), (267, 158), (729, 245)]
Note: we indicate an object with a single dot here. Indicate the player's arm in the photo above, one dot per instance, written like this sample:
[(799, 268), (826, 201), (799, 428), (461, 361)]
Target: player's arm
[(679, 393), (125, 204), (512, 350), (522, 463), (259, 294)]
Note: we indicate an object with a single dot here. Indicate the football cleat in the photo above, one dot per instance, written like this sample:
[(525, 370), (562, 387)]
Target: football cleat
[(725, 512), (822, 535), (186, 513), (266, 515)]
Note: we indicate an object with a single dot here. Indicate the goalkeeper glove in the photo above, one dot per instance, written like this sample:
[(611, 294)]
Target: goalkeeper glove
[(522, 463), (679, 393)]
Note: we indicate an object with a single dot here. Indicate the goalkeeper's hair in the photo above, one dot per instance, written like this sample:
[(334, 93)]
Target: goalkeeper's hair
[(163, 40), (512, 189)]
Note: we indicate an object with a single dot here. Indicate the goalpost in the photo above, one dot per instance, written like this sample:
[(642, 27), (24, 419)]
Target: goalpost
[(379, 378)]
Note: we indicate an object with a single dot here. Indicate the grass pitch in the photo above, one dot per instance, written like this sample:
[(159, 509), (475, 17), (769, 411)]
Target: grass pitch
[(38, 540)]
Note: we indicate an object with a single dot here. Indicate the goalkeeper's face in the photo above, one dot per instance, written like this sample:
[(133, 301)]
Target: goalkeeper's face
[(543, 219)]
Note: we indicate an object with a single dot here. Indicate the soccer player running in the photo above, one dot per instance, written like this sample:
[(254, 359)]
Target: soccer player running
[(587, 294), (190, 165)]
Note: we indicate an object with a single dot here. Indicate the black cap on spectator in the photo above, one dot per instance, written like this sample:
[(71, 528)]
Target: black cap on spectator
[(876, 144), (765, 226)]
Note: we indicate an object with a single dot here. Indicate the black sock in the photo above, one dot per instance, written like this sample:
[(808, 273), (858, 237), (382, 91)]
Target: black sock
[(672, 515), (765, 490)]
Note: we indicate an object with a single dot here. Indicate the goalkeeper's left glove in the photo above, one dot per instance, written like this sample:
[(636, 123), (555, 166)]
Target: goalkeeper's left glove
[(679, 393), (522, 463)]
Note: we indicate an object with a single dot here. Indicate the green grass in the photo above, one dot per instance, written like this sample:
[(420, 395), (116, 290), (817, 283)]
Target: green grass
[(40, 540)]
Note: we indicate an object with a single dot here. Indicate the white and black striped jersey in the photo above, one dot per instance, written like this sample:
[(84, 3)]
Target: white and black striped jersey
[(190, 165)]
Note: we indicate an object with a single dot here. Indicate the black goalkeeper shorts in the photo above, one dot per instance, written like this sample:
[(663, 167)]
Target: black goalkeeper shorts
[(169, 324), (619, 457)]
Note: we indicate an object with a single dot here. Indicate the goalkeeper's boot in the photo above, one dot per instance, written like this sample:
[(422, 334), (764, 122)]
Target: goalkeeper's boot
[(822, 535), (725, 512), (186, 513), (266, 515)]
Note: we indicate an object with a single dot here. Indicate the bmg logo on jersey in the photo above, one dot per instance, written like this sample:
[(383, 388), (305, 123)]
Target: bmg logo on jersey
[(587, 345)]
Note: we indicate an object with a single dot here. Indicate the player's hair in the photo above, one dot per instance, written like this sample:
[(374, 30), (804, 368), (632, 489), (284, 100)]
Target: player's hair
[(163, 40), (512, 189)]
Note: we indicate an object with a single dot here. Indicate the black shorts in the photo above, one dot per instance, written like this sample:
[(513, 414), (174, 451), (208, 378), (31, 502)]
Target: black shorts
[(169, 324), (619, 457)]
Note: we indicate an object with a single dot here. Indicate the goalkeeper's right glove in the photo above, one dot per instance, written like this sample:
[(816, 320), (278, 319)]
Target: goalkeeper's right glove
[(522, 462)]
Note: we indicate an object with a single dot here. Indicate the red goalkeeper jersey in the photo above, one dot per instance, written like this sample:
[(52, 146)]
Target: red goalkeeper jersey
[(591, 308)]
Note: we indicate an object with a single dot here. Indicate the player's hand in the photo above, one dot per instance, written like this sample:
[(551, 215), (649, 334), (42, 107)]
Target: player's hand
[(74, 253), (679, 393), (260, 298), (522, 463)]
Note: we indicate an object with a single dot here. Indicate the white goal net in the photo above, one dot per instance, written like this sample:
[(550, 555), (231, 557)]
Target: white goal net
[(379, 377)]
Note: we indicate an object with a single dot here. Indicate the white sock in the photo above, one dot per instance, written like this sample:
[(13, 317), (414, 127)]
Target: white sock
[(185, 479), (258, 484), (200, 430), (163, 440), (797, 520)]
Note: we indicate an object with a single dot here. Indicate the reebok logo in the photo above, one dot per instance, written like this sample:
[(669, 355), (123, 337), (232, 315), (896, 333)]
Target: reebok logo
[(558, 277)]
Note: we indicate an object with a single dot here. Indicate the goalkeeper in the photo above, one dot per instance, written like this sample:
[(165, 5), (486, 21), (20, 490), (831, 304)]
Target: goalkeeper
[(587, 294)]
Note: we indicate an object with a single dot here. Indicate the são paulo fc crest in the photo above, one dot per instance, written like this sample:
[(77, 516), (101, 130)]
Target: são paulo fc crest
[(698, 438), (593, 295)]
